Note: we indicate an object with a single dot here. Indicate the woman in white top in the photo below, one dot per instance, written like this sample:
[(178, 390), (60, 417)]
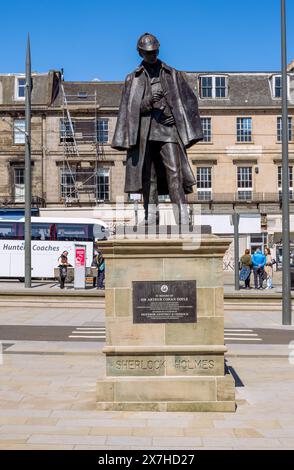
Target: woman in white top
[(268, 269)]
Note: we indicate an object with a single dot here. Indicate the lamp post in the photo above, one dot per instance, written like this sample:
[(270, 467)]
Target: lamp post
[(286, 277), (28, 175)]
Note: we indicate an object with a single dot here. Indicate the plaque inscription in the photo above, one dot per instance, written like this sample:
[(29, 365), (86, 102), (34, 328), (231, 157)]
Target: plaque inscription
[(164, 301)]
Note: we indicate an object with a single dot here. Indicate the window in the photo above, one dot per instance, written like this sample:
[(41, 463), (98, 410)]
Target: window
[(75, 232), (164, 198), (279, 129), (290, 182), (19, 136), (277, 87), (244, 129), (67, 183), (66, 129), (206, 128), (213, 87), (102, 190), (244, 176), (204, 183), (19, 184), (41, 231), (20, 88), (102, 131), (220, 87), (258, 240), (206, 87), (133, 197), (8, 230)]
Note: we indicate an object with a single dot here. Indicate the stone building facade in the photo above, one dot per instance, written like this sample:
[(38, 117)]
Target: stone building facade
[(237, 166)]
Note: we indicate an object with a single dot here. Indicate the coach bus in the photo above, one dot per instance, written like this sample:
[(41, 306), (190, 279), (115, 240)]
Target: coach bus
[(50, 237)]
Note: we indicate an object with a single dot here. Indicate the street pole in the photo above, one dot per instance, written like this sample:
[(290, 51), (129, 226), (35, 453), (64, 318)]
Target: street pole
[(236, 218), (28, 187), (286, 277)]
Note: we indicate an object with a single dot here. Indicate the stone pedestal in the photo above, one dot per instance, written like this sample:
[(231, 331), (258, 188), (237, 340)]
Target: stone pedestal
[(165, 366)]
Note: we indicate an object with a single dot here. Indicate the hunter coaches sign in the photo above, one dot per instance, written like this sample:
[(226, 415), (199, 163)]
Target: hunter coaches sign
[(164, 301)]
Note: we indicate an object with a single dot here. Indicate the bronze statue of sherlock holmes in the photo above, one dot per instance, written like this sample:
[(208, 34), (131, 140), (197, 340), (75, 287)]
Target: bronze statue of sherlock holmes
[(157, 121)]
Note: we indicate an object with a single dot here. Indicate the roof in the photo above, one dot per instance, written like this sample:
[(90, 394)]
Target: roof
[(43, 91), (246, 89), (107, 93)]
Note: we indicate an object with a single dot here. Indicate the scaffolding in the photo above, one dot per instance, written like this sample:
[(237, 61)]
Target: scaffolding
[(78, 134)]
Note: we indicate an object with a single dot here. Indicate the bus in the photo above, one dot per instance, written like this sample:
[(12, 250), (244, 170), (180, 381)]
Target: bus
[(50, 237)]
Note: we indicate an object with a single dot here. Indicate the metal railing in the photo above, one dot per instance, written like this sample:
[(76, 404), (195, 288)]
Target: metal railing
[(13, 201)]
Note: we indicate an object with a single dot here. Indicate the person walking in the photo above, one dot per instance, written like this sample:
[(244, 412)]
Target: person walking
[(63, 265), (268, 269), (101, 270), (94, 265), (258, 261), (246, 266)]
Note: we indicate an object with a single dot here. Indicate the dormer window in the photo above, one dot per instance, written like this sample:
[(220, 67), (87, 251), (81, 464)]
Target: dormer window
[(213, 86), (220, 87), (20, 88), (206, 87), (277, 86)]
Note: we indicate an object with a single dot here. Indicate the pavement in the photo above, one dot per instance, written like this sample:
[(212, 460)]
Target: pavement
[(53, 356), (50, 287)]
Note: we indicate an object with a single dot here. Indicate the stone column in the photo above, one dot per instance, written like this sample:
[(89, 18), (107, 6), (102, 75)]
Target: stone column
[(165, 366)]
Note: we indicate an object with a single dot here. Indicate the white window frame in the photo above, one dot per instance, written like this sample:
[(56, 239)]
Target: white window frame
[(65, 172), (204, 193), (16, 88), (104, 172), (241, 118), (66, 130), (290, 181), (19, 132), (279, 129), (213, 91), (208, 128), (273, 86), (245, 189), (104, 131), (18, 188)]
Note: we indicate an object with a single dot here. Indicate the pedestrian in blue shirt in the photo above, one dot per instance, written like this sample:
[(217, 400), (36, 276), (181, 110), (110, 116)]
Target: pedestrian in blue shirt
[(258, 263)]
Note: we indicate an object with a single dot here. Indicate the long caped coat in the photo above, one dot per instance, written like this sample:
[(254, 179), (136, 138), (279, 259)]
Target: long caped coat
[(132, 127)]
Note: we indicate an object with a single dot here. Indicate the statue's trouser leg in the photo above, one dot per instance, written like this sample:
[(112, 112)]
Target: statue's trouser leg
[(170, 157), (150, 194)]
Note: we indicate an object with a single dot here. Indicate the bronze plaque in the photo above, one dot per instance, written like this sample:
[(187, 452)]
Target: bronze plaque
[(164, 302)]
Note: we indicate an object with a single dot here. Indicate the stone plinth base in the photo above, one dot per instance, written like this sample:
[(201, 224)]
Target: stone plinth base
[(166, 393), (161, 365)]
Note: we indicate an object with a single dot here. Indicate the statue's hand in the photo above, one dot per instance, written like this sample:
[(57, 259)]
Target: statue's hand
[(146, 105)]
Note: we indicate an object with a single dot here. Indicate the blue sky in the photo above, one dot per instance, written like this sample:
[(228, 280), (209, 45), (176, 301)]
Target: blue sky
[(97, 38)]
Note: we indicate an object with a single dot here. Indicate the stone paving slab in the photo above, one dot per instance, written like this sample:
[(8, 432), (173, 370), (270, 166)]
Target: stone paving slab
[(48, 396), (50, 316), (47, 418)]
